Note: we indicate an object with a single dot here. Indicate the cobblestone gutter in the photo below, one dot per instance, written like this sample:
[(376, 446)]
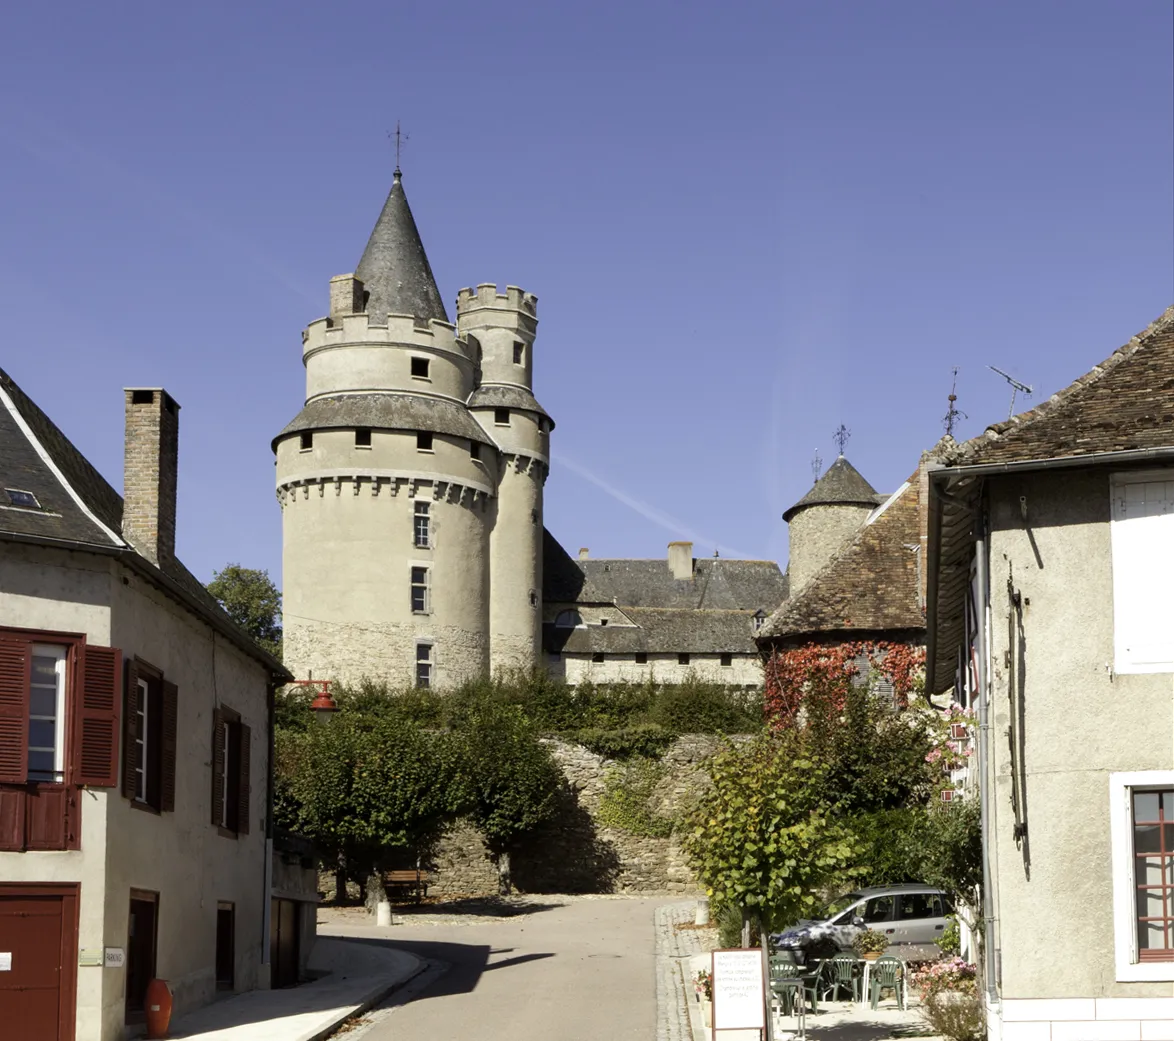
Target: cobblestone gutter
[(674, 948)]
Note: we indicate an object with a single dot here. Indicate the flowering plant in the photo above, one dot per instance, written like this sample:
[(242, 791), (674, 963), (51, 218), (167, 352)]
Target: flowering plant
[(703, 985), (869, 941), (951, 974)]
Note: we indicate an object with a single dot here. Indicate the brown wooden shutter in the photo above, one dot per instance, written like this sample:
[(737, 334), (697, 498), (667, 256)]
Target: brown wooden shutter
[(96, 706), (218, 754), (170, 727), (12, 811), (47, 817), (130, 720), (243, 790), (15, 662)]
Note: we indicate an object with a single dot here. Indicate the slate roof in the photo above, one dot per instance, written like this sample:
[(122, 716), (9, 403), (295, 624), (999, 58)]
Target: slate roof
[(872, 585), (35, 456), (394, 268), (1125, 403), (386, 411), (841, 484), (708, 614), (660, 630), (504, 395)]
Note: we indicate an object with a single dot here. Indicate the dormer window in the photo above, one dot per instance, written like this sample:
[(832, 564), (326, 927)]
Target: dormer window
[(759, 619)]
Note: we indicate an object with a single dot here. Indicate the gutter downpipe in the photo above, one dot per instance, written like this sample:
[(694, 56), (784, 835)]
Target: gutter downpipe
[(984, 785)]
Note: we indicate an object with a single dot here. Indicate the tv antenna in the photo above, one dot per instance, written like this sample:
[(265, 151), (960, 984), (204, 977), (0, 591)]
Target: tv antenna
[(841, 437), (816, 466), (1016, 387), (953, 414)]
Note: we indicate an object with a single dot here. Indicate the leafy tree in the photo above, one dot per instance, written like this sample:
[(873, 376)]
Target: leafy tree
[(763, 838), (510, 778), (252, 601)]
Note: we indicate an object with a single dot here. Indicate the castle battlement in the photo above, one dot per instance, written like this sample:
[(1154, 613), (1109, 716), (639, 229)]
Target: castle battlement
[(399, 329), (486, 295)]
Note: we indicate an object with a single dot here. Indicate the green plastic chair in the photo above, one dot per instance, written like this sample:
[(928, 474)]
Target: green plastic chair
[(840, 974), (886, 974), (789, 981)]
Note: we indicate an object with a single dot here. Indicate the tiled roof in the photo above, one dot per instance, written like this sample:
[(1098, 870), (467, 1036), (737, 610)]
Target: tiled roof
[(394, 268), (841, 484), (717, 583), (386, 411), (80, 508), (660, 630), (871, 585), (1126, 402), (504, 395)]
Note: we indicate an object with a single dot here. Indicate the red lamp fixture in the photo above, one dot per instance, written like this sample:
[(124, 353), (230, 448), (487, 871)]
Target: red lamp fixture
[(323, 706)]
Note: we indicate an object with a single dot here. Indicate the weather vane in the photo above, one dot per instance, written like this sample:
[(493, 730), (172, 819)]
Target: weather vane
[(398, 137), (953, 414), (816, 465), (1016, 387), (841, 437)]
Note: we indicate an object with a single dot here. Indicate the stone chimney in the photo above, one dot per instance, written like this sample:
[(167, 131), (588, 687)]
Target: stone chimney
[(149, 472), (681, 559), (584, 553)]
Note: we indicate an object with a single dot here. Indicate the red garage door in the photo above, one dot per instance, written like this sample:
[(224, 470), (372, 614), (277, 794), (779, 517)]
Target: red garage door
[(38, 953)]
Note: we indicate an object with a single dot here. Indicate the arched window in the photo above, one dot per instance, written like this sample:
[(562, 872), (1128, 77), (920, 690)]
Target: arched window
[(569, 619)]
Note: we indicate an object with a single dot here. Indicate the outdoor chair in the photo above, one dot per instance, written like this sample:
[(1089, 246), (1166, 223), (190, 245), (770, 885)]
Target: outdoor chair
[(789, 981), (840, 974), (886, 974)]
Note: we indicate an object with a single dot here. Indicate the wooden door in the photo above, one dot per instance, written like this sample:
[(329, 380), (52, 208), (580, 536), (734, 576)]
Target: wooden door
[(140, 951), (38, 952), (283, 943)]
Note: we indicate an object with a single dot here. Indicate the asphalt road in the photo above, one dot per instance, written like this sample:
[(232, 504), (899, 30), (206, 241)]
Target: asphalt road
[(583, 970)]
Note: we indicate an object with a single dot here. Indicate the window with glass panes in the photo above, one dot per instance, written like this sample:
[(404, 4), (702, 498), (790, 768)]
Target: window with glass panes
[(423, 665), (420, 590), (421, 522), (47, 713), (1153, 873)]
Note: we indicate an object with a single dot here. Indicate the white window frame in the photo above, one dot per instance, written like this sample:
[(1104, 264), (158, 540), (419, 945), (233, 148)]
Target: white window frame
[(59, 653), (225, 771), (427, 569), (1121, 788), (430, 662), (426, 514), (142, 758), (1122, 663)]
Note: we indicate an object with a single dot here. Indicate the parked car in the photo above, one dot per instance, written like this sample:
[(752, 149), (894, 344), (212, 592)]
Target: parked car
[(909, 914)]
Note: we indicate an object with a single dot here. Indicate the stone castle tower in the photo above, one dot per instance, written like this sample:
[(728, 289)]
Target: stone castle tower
[(411, 482)]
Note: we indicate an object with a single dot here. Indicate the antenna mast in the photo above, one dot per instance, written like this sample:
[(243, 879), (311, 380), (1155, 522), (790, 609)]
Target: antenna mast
[(953, 414), (1016, 387)]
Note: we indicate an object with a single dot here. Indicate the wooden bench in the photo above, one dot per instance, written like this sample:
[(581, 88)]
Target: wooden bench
[(414, 880)]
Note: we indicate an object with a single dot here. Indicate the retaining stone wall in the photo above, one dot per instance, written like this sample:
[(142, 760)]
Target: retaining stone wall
[(573, 854)]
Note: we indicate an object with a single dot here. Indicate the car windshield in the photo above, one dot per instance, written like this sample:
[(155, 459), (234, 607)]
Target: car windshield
[(834, 907)]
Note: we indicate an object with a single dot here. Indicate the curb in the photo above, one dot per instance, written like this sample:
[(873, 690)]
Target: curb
[(372, 999)]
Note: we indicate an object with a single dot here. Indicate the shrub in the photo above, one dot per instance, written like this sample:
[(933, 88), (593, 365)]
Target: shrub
[(627, 799), (949, 974), (951, 939), (955, 1015), (645, 740)]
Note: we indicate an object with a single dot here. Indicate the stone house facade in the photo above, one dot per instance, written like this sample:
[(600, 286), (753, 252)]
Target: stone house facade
[(134, 742), (1050, 565)]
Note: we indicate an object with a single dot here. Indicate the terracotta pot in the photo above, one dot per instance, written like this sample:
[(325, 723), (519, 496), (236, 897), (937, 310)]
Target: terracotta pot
[(871, 955), (158, 1008)]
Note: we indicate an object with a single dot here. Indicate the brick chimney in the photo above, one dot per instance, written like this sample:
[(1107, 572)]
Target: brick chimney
[(584, 553), (681, 559), (149, 472)]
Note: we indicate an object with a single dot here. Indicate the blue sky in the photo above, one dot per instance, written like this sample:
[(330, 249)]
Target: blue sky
[(746, 224)]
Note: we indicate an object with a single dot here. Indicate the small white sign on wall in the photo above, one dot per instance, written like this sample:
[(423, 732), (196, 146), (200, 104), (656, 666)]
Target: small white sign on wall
[(739, 990), (5, 961), (115, 957)]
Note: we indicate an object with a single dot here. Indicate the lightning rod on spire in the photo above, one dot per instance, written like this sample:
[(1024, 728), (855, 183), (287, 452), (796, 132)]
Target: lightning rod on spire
[(841, 437)]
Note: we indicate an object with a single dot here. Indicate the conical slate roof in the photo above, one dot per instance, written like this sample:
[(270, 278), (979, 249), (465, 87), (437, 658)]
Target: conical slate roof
[(394, 268), (840, 485)]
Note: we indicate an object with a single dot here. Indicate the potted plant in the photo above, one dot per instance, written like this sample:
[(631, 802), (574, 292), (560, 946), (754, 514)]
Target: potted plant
[(703, 985), (870, 944)]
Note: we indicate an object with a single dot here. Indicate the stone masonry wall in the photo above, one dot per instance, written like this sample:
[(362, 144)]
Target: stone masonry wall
[(574, 854)]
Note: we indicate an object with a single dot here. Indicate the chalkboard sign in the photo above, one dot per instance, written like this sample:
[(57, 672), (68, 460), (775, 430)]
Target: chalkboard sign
[(739, 992)]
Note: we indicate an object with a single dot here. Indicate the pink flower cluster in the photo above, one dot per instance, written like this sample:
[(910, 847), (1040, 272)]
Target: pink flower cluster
[(947, 974)]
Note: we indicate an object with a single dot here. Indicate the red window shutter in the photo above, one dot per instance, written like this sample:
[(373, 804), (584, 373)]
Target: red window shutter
[(12, 812), (48, 813), (218, 754), (129, 733), (96, 707), (170, 729), (242, 813), (15, 660)]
